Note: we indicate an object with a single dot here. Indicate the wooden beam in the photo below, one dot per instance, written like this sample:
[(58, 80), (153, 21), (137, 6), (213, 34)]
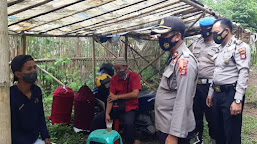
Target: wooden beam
[(14, 2), (152, 62), (28, 28), (195, 22), (44, 13), (5, 114), (46, 35), (29, 7)]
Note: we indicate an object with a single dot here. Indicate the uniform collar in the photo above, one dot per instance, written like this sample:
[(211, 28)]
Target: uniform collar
[(179, 50), (230, 42)]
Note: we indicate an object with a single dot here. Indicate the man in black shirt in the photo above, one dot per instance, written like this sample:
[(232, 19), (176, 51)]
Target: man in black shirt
[(27, 114)]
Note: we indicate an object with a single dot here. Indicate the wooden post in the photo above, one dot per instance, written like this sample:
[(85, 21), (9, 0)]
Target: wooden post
[(23, 44), (5, 116), (126, 48), (93, 56)]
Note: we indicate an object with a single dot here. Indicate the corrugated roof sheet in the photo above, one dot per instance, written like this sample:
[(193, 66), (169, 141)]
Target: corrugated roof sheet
[(98, 17)]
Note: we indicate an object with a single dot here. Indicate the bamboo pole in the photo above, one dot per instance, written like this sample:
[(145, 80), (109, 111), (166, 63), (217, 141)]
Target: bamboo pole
[(151, 62), (129, 68), (93, 56), (126, 48), (5, 121), (50, 75), (23, 44)]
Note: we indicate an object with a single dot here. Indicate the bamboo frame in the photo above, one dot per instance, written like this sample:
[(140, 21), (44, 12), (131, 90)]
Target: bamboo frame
[(127, 18), (67, 16), (151, 62), (44, 13), (129, 68), (14, 2), (29, 7), (93, 56), (94, 16)]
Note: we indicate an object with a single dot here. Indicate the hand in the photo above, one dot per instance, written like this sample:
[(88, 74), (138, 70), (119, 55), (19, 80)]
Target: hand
[(112, 97), (235, 108), (171, 139), (209, 101), (107, 118), (47, 141)]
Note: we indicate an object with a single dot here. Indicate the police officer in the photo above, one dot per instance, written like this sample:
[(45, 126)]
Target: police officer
[(226, 94), (204, 49), (174, 117)]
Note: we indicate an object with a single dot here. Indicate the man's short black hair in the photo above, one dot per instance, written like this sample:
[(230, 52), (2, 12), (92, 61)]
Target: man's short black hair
[(225, 23)]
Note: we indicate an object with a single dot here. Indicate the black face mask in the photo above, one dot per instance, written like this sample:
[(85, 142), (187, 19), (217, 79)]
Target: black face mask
[(218, 39), (166, 44), (206, 32), (30, 77)]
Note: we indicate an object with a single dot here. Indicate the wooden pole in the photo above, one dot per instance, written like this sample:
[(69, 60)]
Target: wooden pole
[(126, 48), (5, 116), (93, 56), (23, 44)]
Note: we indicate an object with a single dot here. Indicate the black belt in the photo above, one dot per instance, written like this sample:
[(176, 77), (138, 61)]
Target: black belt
[(224, 88)]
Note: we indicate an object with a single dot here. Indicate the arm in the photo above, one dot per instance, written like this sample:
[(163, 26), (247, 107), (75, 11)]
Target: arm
[(186, 85), (242, 58), (108, 110), (209, 96), (43, 129), (112, 97), (243, 69)]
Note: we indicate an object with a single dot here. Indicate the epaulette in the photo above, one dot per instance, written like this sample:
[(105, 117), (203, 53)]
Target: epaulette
[(238, 42), (186, 54)]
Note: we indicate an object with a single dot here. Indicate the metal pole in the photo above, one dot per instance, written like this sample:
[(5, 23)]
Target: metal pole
[(24, 44), (5, 115)]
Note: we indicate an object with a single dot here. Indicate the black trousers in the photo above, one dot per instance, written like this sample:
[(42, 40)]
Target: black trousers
[(200, 109), (228, 127), (163, 136), (128, 119)]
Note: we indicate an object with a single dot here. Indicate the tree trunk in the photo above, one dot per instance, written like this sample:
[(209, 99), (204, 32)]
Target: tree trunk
[(5, 118)]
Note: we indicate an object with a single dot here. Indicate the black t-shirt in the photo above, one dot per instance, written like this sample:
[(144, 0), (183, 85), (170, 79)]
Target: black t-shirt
[(27, 116)]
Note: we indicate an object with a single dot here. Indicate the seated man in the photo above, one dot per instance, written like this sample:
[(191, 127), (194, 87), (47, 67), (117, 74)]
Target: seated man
[(124, 85), (27, 114)]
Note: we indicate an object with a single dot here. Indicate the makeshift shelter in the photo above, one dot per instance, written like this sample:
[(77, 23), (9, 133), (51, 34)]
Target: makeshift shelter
[(59, 20)]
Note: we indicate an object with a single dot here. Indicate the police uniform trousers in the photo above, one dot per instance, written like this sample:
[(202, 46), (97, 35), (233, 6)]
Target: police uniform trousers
[(227, 126), (200, 109)]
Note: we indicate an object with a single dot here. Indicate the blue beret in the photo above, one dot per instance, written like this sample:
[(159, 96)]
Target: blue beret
[(207, 21)]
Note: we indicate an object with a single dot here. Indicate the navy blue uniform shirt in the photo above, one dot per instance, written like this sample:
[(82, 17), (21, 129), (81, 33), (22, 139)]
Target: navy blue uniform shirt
[(27, 116)]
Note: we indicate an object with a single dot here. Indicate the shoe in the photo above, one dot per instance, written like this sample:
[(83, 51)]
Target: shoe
[(212, 141), (198, 140)]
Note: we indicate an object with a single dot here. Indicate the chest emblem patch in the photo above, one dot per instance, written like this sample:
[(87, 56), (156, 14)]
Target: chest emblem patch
[(242, 52), (183, 67)]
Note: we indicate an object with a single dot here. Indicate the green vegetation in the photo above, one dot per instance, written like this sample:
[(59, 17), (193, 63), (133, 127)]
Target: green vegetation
[(239, 11)]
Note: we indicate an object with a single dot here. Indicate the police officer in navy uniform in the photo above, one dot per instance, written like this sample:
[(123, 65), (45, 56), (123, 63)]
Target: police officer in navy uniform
[(204, 49), (227, 92), (174, 117)]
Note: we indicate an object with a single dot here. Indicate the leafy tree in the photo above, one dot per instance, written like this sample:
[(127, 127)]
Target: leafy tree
[(239, 11)]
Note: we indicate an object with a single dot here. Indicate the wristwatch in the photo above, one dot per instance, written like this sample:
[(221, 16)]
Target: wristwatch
[(238, 101)]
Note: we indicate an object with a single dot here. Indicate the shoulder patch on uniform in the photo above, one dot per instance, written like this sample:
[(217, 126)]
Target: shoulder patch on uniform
[(182, 67), (242, 52)]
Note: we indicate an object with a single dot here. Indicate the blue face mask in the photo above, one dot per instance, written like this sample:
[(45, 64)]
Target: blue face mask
[(166, 44)]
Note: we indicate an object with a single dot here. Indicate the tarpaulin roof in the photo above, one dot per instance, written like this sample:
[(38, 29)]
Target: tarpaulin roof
[(96, 17)]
